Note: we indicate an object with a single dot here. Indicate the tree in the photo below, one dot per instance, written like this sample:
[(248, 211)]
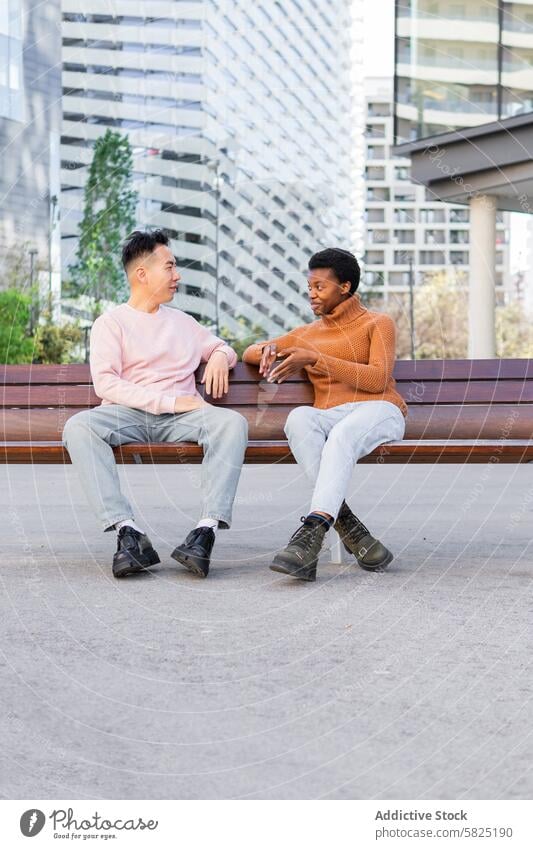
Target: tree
[(56, 343), (441, 321), (108, 215), (15, 344), (514, 331), (441, 318), (254, 333)]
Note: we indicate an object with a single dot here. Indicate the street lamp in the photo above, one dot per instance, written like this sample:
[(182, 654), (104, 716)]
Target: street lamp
[(412, 308), (53, 206), (34, 315), (214, 165)]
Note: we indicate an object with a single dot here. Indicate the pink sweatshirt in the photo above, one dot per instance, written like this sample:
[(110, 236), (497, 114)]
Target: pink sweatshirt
[(144, 360)]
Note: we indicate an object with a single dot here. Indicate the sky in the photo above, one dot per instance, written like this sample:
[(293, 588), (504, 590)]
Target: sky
[(379, 38)]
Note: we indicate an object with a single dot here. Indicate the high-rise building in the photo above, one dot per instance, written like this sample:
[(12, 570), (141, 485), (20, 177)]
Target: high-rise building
[(405, 223), (463, 100), (30, 121), (461, 64), (242, 124)]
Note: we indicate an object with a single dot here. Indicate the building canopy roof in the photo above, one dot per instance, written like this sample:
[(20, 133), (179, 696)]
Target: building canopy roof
[(491, 159)]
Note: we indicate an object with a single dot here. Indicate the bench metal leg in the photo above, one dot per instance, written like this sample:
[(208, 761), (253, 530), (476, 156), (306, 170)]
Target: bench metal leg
[(336, 548)]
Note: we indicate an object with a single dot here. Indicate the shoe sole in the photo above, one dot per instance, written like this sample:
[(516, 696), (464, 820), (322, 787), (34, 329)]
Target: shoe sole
[(284, 570), (192, 564), (150, 558)]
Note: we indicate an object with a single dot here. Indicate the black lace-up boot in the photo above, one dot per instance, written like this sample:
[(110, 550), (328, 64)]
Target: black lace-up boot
[(299, 558), (369, 552)]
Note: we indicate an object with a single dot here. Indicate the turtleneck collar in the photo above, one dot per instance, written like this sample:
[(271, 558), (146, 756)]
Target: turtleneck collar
[(345, 312)]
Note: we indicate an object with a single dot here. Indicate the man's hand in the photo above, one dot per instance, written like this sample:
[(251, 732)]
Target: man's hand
[(187, 403), (268, 356), (216, 375), (294, 359)]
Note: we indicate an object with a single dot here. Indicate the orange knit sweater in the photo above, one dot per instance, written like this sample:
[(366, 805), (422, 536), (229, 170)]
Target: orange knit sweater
[(356, 353)]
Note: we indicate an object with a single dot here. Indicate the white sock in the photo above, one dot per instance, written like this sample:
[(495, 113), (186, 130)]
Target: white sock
[(131, 524), (208, 523)]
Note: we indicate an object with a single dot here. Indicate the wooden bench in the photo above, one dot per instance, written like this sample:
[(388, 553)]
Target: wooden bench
[(460, 411), (471, 411)]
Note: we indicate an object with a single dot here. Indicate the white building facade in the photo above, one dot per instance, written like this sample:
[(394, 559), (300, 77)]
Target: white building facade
[(241, 118), (404, 222), (30, 123)]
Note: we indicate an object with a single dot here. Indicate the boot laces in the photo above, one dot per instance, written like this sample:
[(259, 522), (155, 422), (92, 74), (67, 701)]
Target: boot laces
[(305, 534), (352, 527)]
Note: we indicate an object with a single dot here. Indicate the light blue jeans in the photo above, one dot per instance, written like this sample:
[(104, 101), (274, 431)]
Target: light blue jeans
[(89, 438), (328, 443)]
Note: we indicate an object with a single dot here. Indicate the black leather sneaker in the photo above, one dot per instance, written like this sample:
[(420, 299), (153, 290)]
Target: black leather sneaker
[(134, 553), (369, 552), (299, 558), (195, 552)]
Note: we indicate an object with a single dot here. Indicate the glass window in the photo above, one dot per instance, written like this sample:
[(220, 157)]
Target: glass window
[(404, 237), (432, 216), (434, 237), (459, 237), (378, 236), (375, 172), (399, 278), (375, 216), (403, 257), (404, 216), (432, 257), (446, 66), (11, 80), (405, 193), (374, 257), (402, 172), (459, 257), (459, 216)]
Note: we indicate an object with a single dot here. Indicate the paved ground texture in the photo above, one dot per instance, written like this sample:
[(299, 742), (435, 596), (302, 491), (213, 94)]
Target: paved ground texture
[(411, 684)]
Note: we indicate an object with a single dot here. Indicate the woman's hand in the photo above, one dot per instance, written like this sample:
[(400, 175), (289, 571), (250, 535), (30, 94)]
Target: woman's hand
[(268, 356), (294, 359), (216, 375)]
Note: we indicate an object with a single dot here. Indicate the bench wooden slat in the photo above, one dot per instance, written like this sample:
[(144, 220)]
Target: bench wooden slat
[(495, 369), (420, 451), (424, 422), (244, 394), (469, 392)]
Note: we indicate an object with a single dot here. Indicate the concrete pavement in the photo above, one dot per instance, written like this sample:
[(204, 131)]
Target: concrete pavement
[(411, 684)]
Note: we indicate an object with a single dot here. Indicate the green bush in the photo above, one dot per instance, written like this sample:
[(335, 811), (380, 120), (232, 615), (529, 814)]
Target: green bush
[(56, 343), (15, 344)]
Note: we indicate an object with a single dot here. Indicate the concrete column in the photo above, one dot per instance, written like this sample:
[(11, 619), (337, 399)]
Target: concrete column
[(481, 335)]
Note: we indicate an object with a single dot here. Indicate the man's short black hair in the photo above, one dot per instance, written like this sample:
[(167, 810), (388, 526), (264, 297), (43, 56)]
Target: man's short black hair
[(342, 263), (142, 242)]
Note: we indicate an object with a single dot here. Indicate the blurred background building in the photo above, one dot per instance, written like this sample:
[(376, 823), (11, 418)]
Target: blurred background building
[(463, 97), (461, 64), (406, 225), (30, 122), (243, 120)]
